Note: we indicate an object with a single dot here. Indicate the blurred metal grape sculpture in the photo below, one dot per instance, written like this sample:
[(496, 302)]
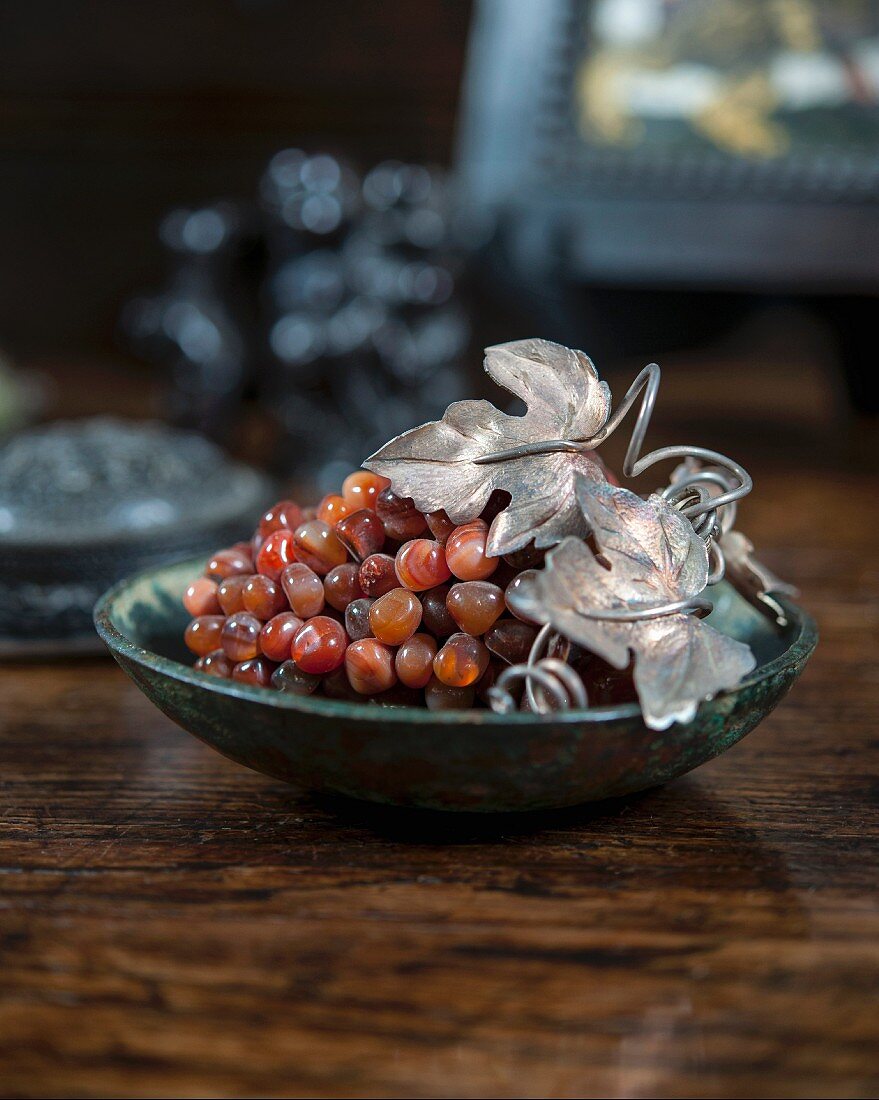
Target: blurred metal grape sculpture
[(334, 299)]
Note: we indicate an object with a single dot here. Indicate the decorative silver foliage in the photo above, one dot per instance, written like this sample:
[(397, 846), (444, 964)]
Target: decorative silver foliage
[(646, 560), (752, 579), (457, 462)]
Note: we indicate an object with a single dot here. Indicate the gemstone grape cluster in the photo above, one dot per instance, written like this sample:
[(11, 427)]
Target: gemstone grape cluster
[(366, 598)]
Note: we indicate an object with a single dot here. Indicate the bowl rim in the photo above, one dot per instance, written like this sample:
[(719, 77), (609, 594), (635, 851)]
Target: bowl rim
[(803, 642)]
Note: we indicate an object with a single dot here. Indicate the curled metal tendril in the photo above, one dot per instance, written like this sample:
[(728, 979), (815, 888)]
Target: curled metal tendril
[(633, 465)]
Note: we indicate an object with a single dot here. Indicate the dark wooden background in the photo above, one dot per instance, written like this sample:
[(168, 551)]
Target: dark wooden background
[(110, 113)]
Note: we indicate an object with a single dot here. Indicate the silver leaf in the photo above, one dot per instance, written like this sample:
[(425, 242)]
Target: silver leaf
[(751, 578), (647, 555), (443, 464)]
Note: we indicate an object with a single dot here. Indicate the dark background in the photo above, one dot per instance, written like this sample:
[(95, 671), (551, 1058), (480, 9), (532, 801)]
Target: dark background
[(112, 112)]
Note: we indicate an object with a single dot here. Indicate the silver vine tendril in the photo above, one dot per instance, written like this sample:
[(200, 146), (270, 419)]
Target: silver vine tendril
[(550, 683)]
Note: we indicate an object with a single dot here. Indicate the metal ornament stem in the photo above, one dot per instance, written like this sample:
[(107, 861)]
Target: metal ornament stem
[(648, 380)]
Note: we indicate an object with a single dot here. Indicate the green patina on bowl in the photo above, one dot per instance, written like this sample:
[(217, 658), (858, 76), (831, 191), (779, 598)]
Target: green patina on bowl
[(458, 760)]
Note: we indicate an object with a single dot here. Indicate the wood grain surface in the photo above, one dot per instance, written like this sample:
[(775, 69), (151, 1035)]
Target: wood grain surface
[(173, 925)]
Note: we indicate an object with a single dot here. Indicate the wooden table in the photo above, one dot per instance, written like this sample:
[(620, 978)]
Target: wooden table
[(173, 925)]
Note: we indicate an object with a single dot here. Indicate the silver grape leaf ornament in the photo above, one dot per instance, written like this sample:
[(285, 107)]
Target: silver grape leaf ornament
[(644, 554), (752, 578), (457, 463)]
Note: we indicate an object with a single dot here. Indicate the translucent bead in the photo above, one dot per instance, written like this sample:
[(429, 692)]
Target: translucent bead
[(498, 500), (461, 661), (276, 637), (414, 660), (378, 575), (240, 636), (395, 616), (319, 645), (605, 684), (529, 557), (511, 640), (465, 552), (304, 590), (421, 564), (341, 585), (475, 605), (277, 552), (357, 619), (318, 546), (336, 685), (263, 597), (332, 508), (512, 587), (362, 533), (286, 515), (202, 636), (290, 678), (230, 593), (435, 615), (226, 563), (439, 525), (401, 519), (200, 598), (361, 488), (256, 671), (440, 696), (370, 666), (216, 663)]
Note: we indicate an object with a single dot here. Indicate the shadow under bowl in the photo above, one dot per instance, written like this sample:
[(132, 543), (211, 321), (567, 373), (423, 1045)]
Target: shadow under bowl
[(456, 760)]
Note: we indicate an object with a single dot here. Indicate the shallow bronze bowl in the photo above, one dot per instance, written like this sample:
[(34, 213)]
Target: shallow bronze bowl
[(461, 760)]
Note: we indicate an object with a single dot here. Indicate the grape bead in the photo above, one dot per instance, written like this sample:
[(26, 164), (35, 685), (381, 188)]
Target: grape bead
[(256, 671), (435, 614), (331, 509), (276, 637), (290, 678), (378, 575), (370, 666), (263, 597), (361, 489), (414, 660), (319, 645), (336, 685), (341, 585), (440, 696), (529, 557), (230, 593), (240, 636), (421, 564), (276, 553), (200, 598), (357, 619), (285, 515), (511, 640), (440, 525), (513, 586), (304, 590), (395, 616), (475, 605), (401, 519), (226, 563), (461, 661), (465, 552), (362, 533), (216, 663), (202, 636), (318, 546)]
